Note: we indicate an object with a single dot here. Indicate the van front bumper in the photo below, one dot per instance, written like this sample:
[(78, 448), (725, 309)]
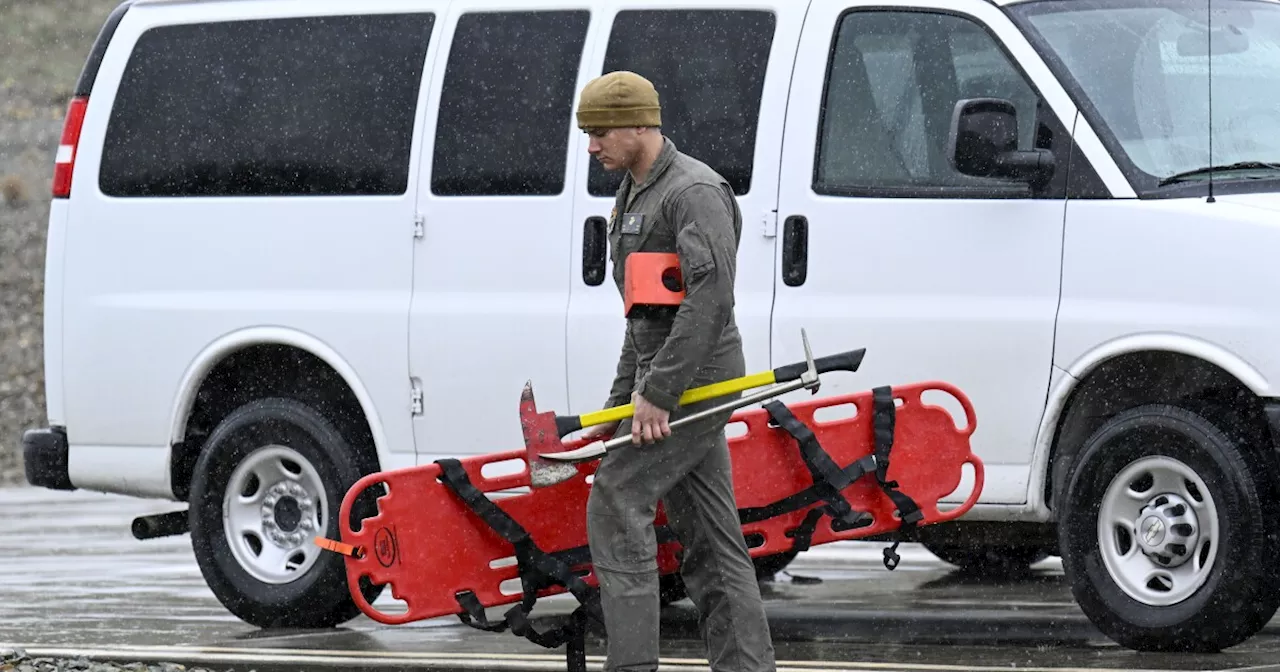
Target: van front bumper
[(44, 456)]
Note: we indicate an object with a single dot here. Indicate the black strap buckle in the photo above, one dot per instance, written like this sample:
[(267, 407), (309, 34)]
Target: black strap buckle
[(891, 557)]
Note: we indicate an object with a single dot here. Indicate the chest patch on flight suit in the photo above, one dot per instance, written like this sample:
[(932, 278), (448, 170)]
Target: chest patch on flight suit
[(631, 222)]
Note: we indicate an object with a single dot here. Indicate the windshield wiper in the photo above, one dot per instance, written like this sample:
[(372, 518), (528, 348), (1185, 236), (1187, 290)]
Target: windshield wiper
[(1239, 165)]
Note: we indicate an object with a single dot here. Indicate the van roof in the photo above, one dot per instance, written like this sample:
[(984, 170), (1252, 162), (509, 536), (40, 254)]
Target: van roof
[(136, 3), (511, 2), (1006, 3), (999, 3)]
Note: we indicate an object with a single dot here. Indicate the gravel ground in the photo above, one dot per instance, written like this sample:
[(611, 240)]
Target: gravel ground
[(17, 661), (25, 151), (43, 46)]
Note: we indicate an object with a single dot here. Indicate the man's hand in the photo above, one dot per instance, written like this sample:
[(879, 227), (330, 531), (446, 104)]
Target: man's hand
[(649, 423)]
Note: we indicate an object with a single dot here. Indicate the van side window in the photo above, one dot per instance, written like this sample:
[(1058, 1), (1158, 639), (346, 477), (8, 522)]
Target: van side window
[(893, 80), (507, 103), (708, 67), (315, 106)]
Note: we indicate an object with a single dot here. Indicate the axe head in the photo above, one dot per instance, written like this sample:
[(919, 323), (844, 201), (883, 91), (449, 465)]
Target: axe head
[(541, 437)]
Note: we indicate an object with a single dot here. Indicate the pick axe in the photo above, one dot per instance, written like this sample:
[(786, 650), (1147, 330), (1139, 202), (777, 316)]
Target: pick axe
[(549, 462)]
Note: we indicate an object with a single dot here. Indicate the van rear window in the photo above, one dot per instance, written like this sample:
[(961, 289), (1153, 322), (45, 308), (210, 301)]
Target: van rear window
[(318, 106), (708, 67)]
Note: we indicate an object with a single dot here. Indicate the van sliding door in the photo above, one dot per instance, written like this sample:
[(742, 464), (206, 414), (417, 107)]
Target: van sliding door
[(491, 266)]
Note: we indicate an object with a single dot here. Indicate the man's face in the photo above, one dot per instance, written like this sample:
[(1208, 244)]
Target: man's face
[(614, 148)]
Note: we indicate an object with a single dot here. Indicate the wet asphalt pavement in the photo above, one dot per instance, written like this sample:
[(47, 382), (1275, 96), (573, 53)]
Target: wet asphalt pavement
[(74, 582)]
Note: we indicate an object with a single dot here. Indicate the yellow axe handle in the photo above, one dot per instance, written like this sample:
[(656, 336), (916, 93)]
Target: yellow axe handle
[(844, 361), (694, 395)]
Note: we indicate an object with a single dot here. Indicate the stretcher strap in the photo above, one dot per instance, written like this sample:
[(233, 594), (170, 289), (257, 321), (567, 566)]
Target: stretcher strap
[(829, 480), (803, 533), (538, 570), (884, 411)]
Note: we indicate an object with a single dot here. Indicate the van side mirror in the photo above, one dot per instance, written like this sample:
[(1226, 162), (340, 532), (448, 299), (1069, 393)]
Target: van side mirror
[(984, 143)]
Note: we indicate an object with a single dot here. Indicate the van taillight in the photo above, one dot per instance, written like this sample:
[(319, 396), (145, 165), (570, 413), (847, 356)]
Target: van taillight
[(65, 161)]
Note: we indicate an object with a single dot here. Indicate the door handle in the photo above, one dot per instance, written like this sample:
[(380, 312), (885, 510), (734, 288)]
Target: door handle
[(595, 246), (795, 250)]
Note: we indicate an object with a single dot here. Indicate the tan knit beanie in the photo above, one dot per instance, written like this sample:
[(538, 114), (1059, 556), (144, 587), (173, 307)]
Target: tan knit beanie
[(619, 99)]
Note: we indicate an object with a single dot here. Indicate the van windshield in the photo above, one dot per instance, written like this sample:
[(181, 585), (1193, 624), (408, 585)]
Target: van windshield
[(1143, 66)]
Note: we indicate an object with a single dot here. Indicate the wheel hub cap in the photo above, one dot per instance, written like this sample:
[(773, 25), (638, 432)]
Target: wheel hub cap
[(288, 514), (1152, 531), (1158, 531), (1167, 529), (273, 508)]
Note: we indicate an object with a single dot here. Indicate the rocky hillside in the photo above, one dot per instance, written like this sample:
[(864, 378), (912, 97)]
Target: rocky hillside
[(43, 44)]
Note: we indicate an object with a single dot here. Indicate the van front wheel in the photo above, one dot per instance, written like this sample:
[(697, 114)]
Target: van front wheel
[(268, 481), (1163, 533)]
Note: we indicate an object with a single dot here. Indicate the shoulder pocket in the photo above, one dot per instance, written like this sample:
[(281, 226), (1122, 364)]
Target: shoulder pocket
[(694, 247)]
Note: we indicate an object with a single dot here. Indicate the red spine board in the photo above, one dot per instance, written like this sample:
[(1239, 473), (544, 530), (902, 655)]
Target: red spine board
[(429, 546)]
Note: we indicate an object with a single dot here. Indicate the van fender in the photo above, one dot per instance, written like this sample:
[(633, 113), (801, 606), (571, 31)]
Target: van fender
[(1056, 403), (229, 343)]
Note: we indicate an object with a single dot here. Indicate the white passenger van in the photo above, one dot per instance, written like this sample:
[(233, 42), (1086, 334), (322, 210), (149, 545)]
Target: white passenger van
[(294, 243)]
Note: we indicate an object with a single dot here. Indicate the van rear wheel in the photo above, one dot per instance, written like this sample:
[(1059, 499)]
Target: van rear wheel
[(1164, 536), (270, 479)]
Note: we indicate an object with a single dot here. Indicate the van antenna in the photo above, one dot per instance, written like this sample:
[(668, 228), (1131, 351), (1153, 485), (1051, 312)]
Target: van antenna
[(1209, 6)]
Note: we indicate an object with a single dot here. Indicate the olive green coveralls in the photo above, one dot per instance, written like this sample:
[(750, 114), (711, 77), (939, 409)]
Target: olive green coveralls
[(687, 208)]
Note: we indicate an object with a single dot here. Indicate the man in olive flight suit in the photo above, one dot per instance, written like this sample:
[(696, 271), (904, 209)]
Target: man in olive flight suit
[(669, 202)]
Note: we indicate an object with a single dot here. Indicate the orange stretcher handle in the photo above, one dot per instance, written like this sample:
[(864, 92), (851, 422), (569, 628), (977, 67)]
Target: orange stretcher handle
[(339, 547)]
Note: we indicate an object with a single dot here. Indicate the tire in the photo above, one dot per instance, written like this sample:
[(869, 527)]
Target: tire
[(1215, 595), (988, 560), (286, 449)]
